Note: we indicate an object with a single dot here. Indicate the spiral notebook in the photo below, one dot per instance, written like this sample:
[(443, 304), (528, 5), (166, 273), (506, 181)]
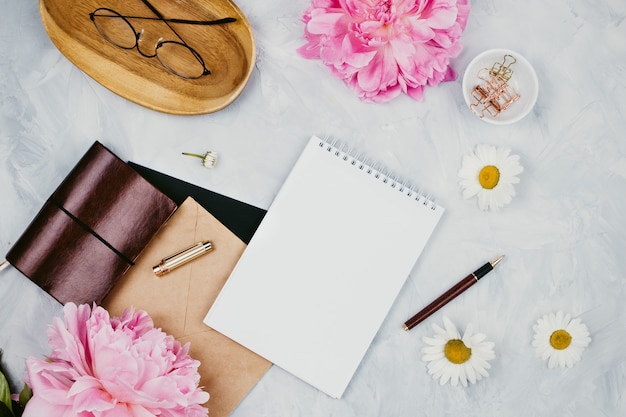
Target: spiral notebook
[(325, 266)]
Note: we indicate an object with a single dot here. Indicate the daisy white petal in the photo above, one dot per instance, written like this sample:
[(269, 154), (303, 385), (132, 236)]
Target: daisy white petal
[(433, 341), (470, 190), (456, 376), (446, 375), (471, 374), (451, 330), (435, 367), (440, 331), (431, 357), (476, 338)]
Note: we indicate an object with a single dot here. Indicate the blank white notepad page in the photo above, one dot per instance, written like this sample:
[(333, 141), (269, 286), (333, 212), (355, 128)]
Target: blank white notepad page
[(324, 267)]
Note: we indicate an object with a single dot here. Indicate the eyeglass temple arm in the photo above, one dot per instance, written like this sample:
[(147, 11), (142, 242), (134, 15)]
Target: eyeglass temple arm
[(190, 22), (184, 21), (203, 22)]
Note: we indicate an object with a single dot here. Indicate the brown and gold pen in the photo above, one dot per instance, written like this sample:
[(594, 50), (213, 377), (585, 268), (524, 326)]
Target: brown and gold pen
[(451, 294)]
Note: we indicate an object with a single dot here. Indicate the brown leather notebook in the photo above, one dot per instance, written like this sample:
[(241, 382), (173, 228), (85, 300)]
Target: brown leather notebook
[(91, 229), (179, 300)]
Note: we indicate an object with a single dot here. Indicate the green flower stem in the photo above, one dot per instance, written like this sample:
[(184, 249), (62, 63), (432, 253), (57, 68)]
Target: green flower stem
[(195, 155)]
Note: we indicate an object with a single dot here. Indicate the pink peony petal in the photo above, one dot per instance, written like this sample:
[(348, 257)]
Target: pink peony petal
[(309, 51), (383, 72), (463, 8), (38, 407), (326, 24), (440, 14), (164, 389), (126, 410), (52, 379), (93, 400), (415, 92), (354, 54), (69, 340)]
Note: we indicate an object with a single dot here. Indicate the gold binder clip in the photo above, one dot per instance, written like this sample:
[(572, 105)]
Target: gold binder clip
[(503, 69)]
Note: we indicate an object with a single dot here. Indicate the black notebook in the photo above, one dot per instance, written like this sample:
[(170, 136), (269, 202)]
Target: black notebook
[(241, 218)]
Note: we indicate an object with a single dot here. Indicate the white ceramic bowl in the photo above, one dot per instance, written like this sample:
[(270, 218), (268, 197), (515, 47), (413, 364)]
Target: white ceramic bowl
[(523, 80)]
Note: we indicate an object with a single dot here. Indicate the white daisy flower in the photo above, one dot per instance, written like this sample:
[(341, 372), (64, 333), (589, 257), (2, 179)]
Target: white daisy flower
[(489, 173), (457, 359), (560, 340)]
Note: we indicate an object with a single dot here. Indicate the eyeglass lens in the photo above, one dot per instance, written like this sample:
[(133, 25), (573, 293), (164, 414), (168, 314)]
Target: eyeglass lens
[(180, 59), (177, 57), (115, 28)]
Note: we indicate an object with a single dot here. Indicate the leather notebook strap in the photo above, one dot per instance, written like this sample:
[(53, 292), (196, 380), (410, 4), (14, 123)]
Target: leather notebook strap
[(91, 231)]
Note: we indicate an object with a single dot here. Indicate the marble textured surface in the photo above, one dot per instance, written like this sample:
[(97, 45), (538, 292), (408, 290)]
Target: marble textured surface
[(564, 233)]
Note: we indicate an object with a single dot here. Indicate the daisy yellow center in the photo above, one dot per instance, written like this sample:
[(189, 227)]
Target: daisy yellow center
[(489, 176), (560, 339), (456, 351)]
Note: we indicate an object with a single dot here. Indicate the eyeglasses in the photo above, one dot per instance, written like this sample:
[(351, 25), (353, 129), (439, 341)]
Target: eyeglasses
[(175, 55)]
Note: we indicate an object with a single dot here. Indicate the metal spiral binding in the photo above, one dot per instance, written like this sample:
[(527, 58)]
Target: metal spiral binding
[(362, 163)]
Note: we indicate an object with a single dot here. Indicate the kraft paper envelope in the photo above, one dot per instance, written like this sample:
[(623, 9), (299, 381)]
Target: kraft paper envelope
[(178, 302)]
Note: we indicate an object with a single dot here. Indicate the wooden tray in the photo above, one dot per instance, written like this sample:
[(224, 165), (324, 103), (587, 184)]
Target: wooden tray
[(228, 51)]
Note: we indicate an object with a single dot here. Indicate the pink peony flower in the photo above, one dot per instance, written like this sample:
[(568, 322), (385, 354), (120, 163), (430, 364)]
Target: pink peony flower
[(382, 48), (113, 367)]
